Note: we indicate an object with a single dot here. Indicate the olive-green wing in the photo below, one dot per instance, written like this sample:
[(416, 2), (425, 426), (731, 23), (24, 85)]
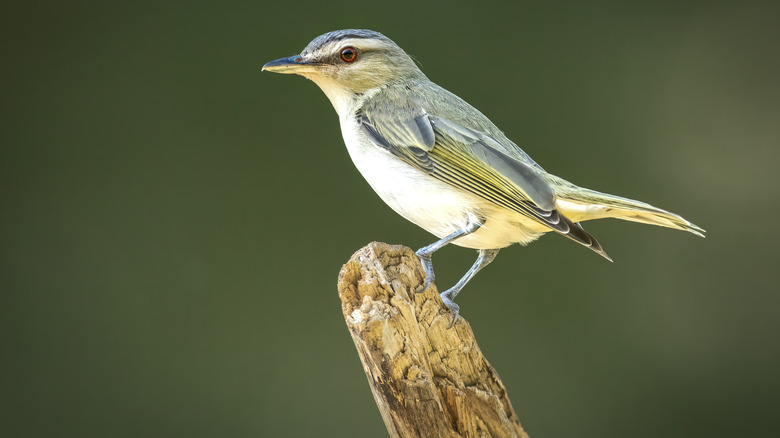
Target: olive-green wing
[(473, 162)]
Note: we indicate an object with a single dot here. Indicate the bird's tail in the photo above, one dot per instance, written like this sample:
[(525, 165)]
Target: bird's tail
[(581, 204)]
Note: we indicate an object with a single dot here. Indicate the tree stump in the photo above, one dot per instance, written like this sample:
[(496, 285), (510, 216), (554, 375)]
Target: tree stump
[(428, 379)]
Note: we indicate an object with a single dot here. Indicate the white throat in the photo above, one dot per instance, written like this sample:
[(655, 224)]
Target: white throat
[(344, 101)]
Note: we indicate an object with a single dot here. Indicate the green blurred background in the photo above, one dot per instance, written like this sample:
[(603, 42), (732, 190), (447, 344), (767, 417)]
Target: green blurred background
[(174, 220)]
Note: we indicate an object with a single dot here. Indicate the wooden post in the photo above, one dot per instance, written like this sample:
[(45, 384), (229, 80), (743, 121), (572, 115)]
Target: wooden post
[(428, 379)]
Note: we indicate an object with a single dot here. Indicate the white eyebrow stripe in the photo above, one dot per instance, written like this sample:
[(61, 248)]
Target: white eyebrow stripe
[(363, 43)]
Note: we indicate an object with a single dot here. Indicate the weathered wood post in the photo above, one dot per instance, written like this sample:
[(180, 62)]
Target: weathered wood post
[(428, 379)]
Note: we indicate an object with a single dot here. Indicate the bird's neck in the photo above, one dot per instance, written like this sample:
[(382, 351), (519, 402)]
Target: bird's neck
[(344, 100)]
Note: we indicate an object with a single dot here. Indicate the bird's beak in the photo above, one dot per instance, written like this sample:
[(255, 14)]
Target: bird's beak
[(291, 65)]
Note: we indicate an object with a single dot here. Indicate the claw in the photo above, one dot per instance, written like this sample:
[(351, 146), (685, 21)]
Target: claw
[(454, 308), (424, 287), (427, 264)]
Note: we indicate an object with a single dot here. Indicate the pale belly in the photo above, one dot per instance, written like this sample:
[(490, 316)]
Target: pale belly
[(434, 205)]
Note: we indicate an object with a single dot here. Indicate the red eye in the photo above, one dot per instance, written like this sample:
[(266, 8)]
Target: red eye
[(348, 54)]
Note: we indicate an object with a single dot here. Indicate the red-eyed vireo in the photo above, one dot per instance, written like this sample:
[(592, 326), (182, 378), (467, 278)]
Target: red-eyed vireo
[(443, 165)]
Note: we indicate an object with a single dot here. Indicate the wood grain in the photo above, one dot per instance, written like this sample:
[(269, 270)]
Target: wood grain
[(428, 379)]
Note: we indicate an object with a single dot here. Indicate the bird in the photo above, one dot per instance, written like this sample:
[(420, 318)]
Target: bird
[(443, 165)]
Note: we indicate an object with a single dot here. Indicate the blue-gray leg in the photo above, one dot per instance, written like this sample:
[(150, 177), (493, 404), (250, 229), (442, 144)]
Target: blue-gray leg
[(425, 253), (483, 259)]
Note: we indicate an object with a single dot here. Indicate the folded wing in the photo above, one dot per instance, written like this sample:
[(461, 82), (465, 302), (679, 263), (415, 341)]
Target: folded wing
[(473, 162)]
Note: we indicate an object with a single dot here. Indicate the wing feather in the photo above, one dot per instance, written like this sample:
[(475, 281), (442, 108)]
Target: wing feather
[(471, 161)]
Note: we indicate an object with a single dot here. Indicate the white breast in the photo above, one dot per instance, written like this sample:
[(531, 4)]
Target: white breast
[(431, 204)]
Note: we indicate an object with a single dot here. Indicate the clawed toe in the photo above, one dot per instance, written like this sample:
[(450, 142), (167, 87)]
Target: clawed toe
[(425, 260), (454, 308), (425, 286)]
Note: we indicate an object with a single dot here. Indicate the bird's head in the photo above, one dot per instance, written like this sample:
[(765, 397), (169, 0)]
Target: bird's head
[(347, 63)]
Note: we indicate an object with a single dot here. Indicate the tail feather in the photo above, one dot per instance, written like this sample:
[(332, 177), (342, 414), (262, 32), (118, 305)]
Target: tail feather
[(576, 204), (580, 204)]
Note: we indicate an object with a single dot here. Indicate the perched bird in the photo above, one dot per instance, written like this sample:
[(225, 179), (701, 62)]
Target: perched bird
[(443, 165)]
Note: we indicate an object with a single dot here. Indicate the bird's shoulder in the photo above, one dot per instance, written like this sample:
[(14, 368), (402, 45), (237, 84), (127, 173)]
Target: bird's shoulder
[(412, 98), (406, 101)]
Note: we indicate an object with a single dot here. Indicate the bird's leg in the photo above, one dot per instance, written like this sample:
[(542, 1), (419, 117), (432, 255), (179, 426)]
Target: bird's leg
[(425, 253), (483, 259)]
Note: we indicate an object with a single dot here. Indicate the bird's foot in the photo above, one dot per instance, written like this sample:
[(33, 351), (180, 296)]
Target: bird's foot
[(447, 297), (427, 265)]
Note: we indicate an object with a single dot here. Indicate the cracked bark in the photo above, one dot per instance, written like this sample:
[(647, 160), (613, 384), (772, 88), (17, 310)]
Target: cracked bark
[(428, 380)]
